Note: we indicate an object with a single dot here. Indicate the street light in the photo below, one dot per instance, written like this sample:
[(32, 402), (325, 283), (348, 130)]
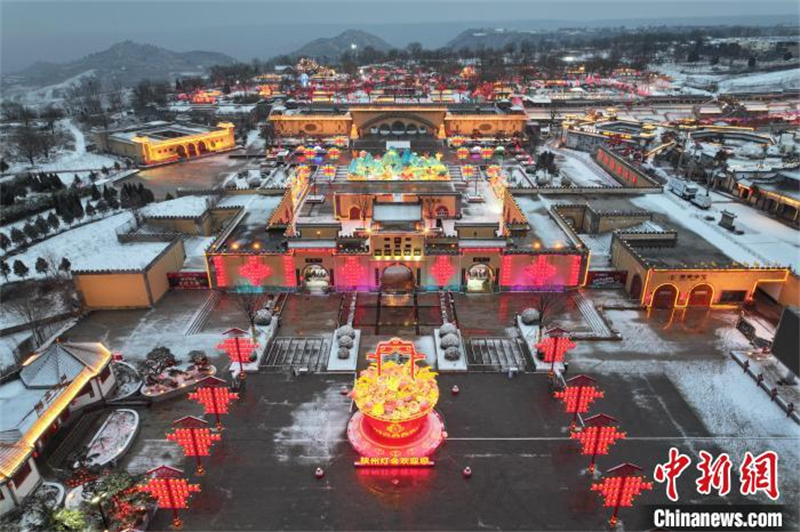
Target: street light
[(98, 501)]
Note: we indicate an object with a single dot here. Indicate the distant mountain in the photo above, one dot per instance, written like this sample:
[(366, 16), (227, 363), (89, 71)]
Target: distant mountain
[(128, 62), (490, 38), (333, 47)]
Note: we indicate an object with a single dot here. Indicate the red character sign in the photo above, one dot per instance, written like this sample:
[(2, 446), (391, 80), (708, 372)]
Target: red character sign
[(714, 474), (195, 438), (578, 395), (671, 470), (215, 396), (759, 473), (599, 434), (170, 490), (620, 488), (395, 346)]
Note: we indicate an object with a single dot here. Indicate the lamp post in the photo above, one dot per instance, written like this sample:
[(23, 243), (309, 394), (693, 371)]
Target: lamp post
[(98, 501)]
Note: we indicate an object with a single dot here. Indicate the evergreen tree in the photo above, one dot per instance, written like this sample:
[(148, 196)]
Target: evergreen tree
[(65, 265), (90, 210), (17, 236), (76, 182), (53, 221), (4, 269), (30, 231), (168, 197), (5, 242), (95, 192), (42, 225), (102, 206), (41, 265), (20, 270)]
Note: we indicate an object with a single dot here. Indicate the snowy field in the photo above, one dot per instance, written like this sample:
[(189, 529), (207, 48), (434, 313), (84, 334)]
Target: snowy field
[(581, 170), (93, 246), (765, 241), (69, 162)]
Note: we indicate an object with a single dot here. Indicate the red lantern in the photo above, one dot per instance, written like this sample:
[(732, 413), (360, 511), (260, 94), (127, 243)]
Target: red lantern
[(597, 436), (620, 488), (238, 347), (215, 396), (579, 393), (170, 490), (195, 438), (555, 346)]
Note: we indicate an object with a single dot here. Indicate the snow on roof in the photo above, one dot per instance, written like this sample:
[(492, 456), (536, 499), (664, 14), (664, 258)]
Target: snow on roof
[(94, 247), (18, 404), (397, 212), (310, 244), (183, 207), (61, 362)]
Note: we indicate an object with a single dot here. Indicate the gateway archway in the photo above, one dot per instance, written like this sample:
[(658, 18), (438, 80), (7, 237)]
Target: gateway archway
[(397, 279), (665, 296), (701, 296), (316, 278), (480, 278)]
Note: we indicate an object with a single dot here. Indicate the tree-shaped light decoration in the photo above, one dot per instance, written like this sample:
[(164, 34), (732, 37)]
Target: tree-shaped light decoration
[(170, 490), (540, 271), (579, 393), (555, 346), (215, 396), (597, 436), (620, 487), (195, 438), (239, 347)]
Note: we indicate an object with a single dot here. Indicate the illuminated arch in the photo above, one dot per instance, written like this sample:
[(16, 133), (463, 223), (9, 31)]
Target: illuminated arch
[(407, 119), (697, 299), (655, 298)]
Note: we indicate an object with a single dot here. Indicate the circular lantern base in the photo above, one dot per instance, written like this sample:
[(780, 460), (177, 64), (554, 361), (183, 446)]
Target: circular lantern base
[(368, 443)]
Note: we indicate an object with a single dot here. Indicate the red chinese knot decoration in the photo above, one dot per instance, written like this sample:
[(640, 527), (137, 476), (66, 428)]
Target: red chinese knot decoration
[(599, 434), (555, 346), (195, 438), (255, 271), (578, 395), (214, 395)]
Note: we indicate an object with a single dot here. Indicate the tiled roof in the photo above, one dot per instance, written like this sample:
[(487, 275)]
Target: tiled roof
[(60, 362)]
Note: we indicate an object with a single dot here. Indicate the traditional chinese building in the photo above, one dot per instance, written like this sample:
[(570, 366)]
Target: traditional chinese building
[(163, 142), (51, 390)]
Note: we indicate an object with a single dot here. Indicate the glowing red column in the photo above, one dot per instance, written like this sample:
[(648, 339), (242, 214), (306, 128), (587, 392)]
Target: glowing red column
[(598, 435), (620, 487), (215, 396), (578, 395), (170, 490), (195, 438)]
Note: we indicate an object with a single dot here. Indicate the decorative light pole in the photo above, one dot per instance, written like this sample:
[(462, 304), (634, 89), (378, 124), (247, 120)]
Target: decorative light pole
[(597, 436), (215, 396), (238, 347), (620, 487), (578, 395), (171, 491), (195, 438), (555, 346)]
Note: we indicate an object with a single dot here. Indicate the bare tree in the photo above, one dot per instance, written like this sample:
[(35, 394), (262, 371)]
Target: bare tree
[(31, 311), (548, 304), (248, 303)]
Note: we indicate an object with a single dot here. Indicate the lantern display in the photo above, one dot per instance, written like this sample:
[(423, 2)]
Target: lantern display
[(396, 424), (487, 153), (328, 170), (555, 346), (579, 393), (620, 487), (215, 396), (170, 490), (334, 154), (462, 153), (238, 347), (195, 438), (597, 436), (467, 171)]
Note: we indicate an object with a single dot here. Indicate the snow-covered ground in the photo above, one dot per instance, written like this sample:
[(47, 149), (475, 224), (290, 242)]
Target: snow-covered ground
[(581, 170), (765, 241), (762, 81), (183, 207), (93, 246), (67, 162)]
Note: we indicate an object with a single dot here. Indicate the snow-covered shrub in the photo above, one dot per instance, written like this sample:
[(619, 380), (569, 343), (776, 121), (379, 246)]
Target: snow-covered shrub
[(448, 328), (346, 341), (452, 353), (254, 182), (198, 358), (263, 317), (343, 353), (345, 330), (530, 316), (450, 340)]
